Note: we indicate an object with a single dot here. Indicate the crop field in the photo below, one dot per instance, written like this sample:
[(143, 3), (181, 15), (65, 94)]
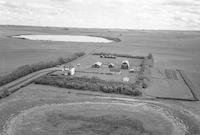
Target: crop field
[(169, 83), (195, 80)]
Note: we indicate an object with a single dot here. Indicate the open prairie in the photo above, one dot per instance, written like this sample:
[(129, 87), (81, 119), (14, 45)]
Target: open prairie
[(39, 109), (171, 49)]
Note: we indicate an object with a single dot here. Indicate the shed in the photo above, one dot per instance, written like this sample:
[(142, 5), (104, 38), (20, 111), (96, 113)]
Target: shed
[(97, 65), (125, 79), (102, 56), (111, 65), (135, 69), (125, 64)]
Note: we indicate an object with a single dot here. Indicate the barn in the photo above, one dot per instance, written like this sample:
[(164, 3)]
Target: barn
[(111, 65), (125, 64)]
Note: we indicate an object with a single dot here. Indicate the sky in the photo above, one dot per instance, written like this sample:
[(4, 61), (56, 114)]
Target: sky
[(124, 14)]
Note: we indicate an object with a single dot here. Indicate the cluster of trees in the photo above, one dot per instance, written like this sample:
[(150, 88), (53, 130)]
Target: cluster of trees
[(4, 93), (150, 60), (120, 55), (144, 76), (93, 84), (27, 69)]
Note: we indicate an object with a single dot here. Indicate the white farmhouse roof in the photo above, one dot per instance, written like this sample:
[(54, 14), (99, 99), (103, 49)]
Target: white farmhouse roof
[(125, 61), (98, 63)]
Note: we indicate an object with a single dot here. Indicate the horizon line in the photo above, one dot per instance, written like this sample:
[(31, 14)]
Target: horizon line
[(100, 28)]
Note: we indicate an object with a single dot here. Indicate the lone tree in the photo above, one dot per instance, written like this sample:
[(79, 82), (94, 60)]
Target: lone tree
[(4, 93), (151, 59), (150, 56)]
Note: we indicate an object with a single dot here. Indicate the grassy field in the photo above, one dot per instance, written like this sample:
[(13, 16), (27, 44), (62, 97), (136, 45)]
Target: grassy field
[(91, 118), (50, 110)]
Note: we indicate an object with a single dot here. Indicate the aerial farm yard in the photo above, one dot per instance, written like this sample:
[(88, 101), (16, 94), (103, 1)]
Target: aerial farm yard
[(168, 106), (85, 68)]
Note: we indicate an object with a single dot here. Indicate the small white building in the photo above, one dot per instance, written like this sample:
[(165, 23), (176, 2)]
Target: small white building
[(125, 64), (125, 79), (68, 70), (97, 65), (134, 69)]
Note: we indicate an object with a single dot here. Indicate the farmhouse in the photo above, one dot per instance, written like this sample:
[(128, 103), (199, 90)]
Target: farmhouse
[(68, 70), (97, 65), (125, 64)]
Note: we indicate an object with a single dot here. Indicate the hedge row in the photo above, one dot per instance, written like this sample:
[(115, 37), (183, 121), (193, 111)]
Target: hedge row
[(27, 69), (144, 76), (93, 84), (119, 55)]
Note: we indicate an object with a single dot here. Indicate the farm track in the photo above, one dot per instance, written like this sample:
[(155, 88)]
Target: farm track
[(24, 81), (15, 85)]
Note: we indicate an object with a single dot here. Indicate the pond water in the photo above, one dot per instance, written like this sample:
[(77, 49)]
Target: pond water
[(65, 38)]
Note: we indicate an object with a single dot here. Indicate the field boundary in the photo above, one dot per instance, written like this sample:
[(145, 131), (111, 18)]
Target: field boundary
[(119, 55), (189, 84), (177, 99)]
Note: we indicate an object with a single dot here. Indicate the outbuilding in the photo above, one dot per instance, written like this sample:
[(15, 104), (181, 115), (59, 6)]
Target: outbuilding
[(111, 65), (68, 70), (134, 69), (125, 64), (97, 65)]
